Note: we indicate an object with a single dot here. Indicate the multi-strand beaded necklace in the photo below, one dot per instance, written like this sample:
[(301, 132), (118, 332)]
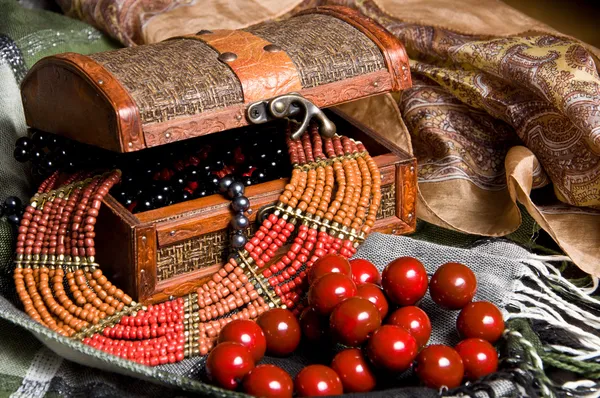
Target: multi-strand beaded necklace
[(328, 206)]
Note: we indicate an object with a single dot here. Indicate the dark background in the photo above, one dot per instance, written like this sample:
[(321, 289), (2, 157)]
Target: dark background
[(578, 18)]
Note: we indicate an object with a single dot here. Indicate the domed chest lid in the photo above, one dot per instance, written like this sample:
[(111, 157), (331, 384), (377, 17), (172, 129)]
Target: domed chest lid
[(145, 96)]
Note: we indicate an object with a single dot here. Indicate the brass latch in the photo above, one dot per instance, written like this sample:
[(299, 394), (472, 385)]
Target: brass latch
[(286, 106)]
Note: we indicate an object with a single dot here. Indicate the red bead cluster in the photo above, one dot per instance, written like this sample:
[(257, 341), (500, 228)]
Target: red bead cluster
[(151, 337), (242, 343), (345, 307)]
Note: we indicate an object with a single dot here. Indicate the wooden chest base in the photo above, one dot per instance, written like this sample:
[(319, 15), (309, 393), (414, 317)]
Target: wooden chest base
[(172, 250)]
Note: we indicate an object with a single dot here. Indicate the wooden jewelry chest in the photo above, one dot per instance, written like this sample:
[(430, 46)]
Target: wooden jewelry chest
[(132, 99)]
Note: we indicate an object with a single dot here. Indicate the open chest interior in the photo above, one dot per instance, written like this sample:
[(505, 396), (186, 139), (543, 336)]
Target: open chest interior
[(174, 247)]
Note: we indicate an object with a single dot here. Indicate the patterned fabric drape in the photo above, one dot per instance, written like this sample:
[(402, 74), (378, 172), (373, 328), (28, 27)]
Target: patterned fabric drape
[(503, 110)]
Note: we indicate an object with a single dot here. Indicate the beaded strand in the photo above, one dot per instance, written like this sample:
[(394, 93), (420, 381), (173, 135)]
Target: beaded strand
[(328, 206)]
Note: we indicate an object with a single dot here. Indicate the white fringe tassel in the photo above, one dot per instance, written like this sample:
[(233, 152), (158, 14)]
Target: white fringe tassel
[(545, 305)]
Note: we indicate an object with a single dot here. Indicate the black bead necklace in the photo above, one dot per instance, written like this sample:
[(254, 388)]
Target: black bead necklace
[(185, 171), (239, 204), (12, 208)]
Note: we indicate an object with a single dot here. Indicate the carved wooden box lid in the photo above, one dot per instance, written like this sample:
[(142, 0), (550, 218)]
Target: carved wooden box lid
[(139, 97)]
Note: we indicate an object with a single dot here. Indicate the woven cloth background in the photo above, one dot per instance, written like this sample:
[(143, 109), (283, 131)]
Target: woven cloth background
[(30, 369), (40, 370)]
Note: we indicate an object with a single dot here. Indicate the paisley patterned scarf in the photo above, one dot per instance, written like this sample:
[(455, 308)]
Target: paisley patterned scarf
[(504, 110)]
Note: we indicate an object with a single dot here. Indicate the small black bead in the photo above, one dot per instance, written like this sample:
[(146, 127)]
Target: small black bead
[(213, 181), (53, 141), (202, 192), (70, 165), (247, 168), (146, 173), (235, 189), (120, 194), (224, 183), (37, 155), (128, 180), (238, 240), (145, 205), (263, 156), (260, 175), (228, 155), (240, 222), (182, 196), (240, 204), (247, 181), (162, 188), (39, 139), (49, 163), (192, 174), (14, 219), (135, 191), (12, 205), (22, 154), (24, 142), (178, 181), (62, 153), (217, 165), (159, 200)]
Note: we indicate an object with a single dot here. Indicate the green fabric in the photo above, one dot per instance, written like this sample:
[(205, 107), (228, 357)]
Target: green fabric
[(36, 34), (6, 246), (40, 33), (527, 235), (13, 175)]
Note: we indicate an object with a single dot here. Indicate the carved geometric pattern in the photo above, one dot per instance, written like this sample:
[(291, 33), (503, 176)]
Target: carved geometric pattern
[(213, 248), (193, 254), (173, 78), (388, 202), (323, 48)]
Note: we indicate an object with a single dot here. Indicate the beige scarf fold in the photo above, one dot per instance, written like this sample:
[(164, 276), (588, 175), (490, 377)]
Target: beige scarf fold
[(502, 106)]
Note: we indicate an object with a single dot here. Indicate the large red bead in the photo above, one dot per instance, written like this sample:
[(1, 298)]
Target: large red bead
[(374, 294), (330, 290), (353, 321), (228, 363), (364, 271), (354, 371), (452, 286), (440, 365), (315, 327), (248, 334), (268, 381), (329, 263), (318, 380), (392, 348), (404, 281), (282, 331), (415, 321), (482, 320), (480, 358)]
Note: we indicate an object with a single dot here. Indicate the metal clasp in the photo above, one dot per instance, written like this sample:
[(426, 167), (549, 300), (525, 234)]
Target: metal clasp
[(289, 105), (264, 212)]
